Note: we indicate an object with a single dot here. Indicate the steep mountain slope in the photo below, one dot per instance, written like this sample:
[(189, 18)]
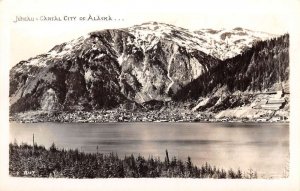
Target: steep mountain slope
[(265, 67), (130, 66)]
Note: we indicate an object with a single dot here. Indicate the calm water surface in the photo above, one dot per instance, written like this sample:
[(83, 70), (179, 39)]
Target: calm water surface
[(262, 147)]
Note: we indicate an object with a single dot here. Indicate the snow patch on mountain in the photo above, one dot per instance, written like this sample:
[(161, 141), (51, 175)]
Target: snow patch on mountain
[(201, 103), (169, 72), (121, 59), (197, 68), (38, 62), (88, 75), (222, 44)]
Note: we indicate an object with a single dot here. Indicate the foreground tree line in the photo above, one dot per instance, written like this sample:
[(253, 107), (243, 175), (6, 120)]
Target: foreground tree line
[(26, 160)]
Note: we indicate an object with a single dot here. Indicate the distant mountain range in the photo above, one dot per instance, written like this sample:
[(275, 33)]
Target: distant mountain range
[(147, 63)]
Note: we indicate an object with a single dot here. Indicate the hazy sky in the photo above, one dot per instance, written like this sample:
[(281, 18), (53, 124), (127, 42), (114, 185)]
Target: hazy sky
[(27, 39)]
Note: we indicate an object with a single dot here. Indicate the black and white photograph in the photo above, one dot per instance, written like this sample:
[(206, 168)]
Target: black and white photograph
[(165, 91)]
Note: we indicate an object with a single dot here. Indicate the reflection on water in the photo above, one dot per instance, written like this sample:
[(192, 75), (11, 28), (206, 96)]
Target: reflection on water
[(260, 146)]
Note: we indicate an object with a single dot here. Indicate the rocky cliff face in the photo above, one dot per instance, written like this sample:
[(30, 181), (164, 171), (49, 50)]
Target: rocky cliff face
[(131, 66)]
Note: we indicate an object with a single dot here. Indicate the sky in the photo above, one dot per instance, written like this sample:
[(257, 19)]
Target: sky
[(28, 39)]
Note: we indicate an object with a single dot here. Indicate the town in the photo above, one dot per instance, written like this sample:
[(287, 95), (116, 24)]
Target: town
[(119, 115), (266, 107)]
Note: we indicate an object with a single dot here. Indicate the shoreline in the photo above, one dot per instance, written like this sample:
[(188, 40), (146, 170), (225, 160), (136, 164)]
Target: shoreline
[(145, 122), (121, 116)]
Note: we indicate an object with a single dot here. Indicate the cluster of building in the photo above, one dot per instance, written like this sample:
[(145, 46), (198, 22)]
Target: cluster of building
[(128, 116), (149, 116), (272, 101), (259, 119), (116, 115)]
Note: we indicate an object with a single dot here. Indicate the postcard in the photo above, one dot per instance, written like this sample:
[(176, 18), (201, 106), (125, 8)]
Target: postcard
[(144, 95)]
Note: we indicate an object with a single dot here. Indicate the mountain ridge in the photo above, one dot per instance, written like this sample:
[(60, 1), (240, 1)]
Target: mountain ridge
[(152, 61)]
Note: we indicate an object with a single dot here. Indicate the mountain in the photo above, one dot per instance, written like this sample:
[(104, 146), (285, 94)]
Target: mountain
[(145, 63), (254, 70), (243, 79)]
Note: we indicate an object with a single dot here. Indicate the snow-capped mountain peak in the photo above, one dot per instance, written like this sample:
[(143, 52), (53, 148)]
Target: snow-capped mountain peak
[(152, 32), (222, 44), (227, 43)]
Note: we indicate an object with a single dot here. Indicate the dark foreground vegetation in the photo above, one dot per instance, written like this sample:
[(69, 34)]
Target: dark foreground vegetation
[(28, 161)]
